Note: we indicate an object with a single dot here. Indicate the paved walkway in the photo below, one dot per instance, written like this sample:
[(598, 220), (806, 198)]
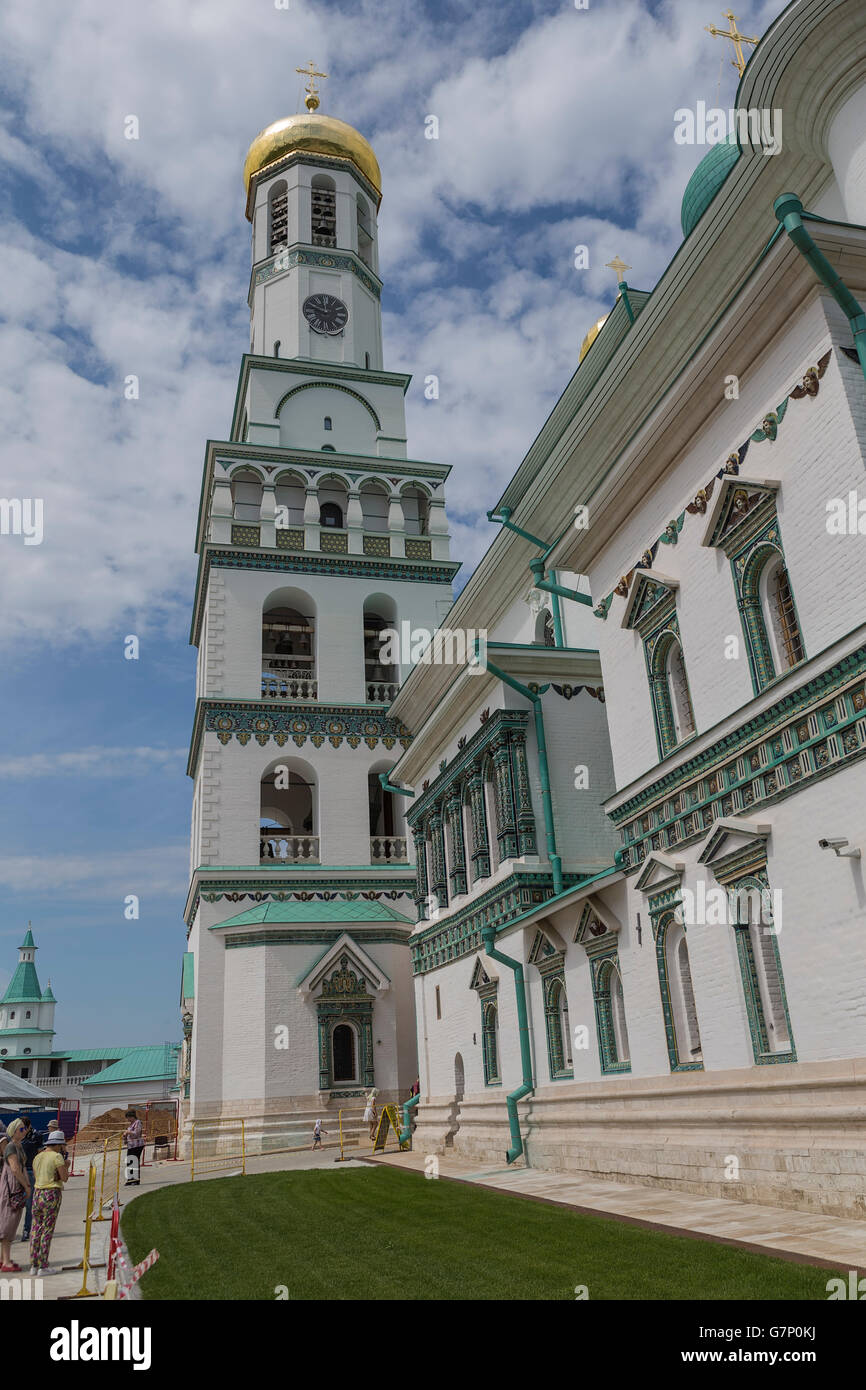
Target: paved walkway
[(780, 1231), (68, 1243)]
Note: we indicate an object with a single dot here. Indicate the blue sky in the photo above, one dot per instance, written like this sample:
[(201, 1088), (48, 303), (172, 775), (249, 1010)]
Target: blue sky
[(128, 257)]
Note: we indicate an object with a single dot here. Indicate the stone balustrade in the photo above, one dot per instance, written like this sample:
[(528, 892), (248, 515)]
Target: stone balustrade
[(388, 849), (286, 848)]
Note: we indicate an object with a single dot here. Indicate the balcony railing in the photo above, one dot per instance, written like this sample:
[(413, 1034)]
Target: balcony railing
[(285, 848), (291, 683), (388, 849), (381, 692)]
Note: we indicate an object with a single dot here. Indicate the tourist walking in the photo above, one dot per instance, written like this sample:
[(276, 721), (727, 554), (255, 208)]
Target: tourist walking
[(31, 1143), (134, 1138), (371, 1115), (317, 1134), (50, 1172), (14, 1190)]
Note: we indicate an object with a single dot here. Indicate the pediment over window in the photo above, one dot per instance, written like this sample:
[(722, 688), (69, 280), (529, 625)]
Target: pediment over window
[(481, 976), (741, 506), (659, 871), (344, 969), (542, 949), (650, 597), (735, 847), (596, 921)]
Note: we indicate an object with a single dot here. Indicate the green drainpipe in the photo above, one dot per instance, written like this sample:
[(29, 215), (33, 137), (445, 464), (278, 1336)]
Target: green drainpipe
[(406, 1131), (789, 211), (389, 787), (537, 567), (546, 803), (488, 936), (504, 519)]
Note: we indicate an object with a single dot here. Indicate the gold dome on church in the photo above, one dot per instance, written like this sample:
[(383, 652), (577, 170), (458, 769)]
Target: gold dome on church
[(312, 133), (591, 337)]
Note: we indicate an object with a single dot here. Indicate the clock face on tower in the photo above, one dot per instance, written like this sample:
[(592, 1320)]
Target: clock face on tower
[(325, 313)]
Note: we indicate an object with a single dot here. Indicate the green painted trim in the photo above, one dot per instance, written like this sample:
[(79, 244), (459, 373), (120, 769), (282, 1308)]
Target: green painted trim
[(311, 938), (304, 253), (328, 386), (795, 729), (343, 566)]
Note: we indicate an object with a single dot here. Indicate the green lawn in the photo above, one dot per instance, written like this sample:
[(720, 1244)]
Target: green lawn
[(378, 1233)]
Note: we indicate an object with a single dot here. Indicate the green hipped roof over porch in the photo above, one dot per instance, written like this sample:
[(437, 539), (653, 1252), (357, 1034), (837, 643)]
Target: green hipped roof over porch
[(364, 910)]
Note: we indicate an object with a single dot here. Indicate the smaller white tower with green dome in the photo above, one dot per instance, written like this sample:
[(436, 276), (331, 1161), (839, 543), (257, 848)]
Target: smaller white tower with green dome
[(26, 1010)]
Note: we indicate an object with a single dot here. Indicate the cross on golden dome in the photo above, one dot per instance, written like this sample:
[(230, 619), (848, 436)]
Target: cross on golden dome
[(737, 39), (312, 99), (619, 266)]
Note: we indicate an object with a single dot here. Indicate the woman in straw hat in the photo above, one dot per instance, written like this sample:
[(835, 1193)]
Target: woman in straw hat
[(14, 1191), (50, 1172)]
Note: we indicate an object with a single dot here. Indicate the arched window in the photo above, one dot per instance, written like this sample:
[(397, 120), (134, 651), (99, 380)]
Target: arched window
[(367, 360), (327, 423), (387, 829), (287, 815), (246, 497), (323, 211), (492, 816), (681, 703), (558, 1028), (365, 232), (374, 507), (459, 1077), (780, 617), (345, 1053), (762, 972), (610, 1017), (278, 217), (288, 650), (381, 674), (330, 513), (490, 1042), (544, 631), (289, 496), (416, 511), (675, 978)]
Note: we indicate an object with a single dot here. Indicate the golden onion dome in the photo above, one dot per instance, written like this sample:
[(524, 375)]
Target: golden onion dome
[(591, 337), (312, 133)]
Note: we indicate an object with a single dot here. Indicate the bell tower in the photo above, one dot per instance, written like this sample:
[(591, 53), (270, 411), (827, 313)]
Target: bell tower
[(316, 535), (313, 194)]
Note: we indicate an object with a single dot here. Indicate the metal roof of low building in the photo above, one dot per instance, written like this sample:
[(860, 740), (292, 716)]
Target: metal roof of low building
[(157, 1063)]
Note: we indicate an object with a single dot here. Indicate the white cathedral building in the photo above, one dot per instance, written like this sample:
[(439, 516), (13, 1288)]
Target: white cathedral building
[(622, 874)]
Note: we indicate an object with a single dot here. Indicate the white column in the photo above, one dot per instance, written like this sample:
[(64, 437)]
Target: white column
[(437, 527), (268, 512), (221, 511), (397, 526), (355, 524), (311, 519)]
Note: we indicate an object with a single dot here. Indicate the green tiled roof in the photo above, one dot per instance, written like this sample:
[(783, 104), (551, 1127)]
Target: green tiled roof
[(187, 987), (99, 1054), (48, 996), (362, 910), (140, 1064), (28, 944), (24, 987)]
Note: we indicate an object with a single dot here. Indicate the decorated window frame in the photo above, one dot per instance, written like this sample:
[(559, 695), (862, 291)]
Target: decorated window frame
[(745, 525), (599, 937), (651, 611), (487, 990), (550, 964)]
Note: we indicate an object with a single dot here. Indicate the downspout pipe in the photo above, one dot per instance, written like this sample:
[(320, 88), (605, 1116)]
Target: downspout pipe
[(789, 212), (537, 567), (544, 768), (504, 519), (488, 936), (389, 786), (406, 1131)]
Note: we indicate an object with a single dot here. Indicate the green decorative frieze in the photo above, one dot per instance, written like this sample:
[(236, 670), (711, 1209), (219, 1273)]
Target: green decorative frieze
[(290, 723)]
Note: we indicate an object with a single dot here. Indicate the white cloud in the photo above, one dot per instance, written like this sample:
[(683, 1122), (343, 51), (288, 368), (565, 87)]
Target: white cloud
[(95, 762), (155, 873), (565, 128)]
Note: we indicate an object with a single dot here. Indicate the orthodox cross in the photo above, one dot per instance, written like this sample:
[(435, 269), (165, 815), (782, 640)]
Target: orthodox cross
[(619, 266), (310, 73), (736, 38)]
